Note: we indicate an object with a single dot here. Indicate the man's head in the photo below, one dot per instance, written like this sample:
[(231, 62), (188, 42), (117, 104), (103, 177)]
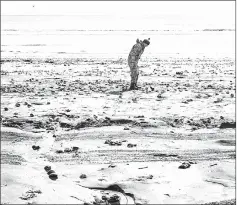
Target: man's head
[(146, 42)]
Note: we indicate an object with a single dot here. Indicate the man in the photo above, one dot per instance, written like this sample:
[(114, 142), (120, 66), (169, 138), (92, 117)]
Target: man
[(133, 58)]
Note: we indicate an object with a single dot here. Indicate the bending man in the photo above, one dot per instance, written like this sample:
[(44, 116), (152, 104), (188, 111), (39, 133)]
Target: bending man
[(133, 58)]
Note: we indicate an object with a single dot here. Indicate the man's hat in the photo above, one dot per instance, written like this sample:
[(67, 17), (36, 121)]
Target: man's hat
[(146, 41)]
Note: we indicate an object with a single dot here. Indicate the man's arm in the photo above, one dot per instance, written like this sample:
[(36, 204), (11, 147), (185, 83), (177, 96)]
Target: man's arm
[(140, 55)]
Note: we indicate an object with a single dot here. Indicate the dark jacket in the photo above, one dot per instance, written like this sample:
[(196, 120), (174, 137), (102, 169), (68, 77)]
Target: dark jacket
[(136, 51)]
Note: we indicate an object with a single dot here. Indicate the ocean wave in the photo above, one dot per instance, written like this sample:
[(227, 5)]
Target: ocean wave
[(218, 30), (33, 45)]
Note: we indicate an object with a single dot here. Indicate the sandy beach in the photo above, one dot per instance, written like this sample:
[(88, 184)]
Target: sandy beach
[(101, 139), (73, 133)]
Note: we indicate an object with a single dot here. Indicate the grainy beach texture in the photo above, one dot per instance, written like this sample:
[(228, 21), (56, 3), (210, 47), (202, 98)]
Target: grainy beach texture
[(72, 132)]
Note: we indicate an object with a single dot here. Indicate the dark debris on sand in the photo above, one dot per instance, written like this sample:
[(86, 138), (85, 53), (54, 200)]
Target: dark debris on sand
[(228, 125), (224, 202)]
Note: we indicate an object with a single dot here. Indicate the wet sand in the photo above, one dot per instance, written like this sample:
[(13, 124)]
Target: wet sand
[(94, 133)]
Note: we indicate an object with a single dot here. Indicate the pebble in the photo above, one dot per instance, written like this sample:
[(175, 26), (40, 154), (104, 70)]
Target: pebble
[(67, 150), (18, 105), (83, 176), (184, 165), (218, 100), (107, 141), (35, 147), (6, 109), (47, 168), (112, 143), (53, 176), (150, 176), (31, 115), (131, 145), (213, 165), (59, 151), (112, 166), (75, 148)]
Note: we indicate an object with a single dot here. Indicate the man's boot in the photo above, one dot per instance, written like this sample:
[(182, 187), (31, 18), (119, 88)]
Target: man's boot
[(132, 86), (136, 87), (135, 84)]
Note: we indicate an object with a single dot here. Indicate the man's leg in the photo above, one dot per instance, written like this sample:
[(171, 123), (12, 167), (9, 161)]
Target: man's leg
[(133, 73), (137, 74), (133, 78)]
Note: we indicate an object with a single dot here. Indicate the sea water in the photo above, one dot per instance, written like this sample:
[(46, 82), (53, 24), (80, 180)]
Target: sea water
[(59, 37)]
